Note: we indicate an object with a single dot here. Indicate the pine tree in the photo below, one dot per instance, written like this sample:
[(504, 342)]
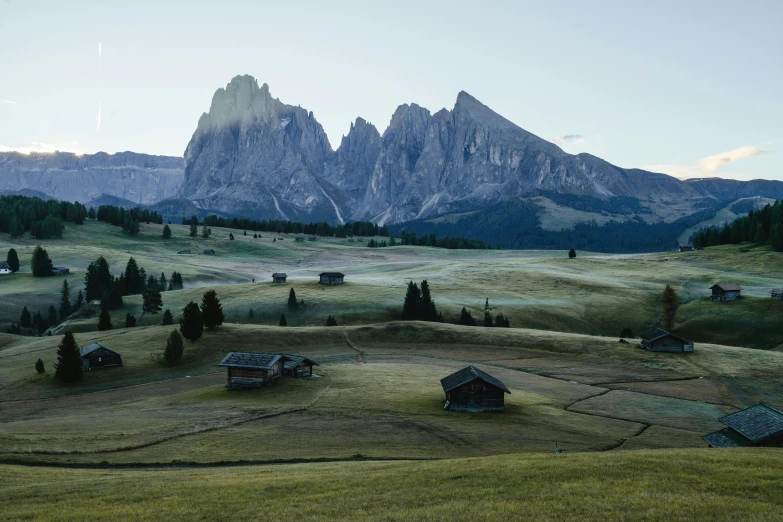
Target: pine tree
[(669, 304), (502, 322), (69, 361), (133, 278), (293, 304), (331, 321), (130, 321), (571, 254), (231, 236), (427, 310), (13, 260), (167, 318), (487, 315), (412, 305), (465, 318), (40, 263), (79, 301), (250, 314), (244, 232), (211, 310), (151, 282), (166, 232), (283, 322), (760, 236), (52, 314), (162, 282), (104, 320), (91, 213), (25, 321), (776, 237), (193, 229), (175, 346), (65, 300), (112, 300), (205, 233), (39, 366), (192, 323)]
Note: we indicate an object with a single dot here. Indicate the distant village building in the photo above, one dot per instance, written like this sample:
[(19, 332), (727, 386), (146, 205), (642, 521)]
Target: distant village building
[(60, 270), (777, 294), (725, 292), (5, 268), (471, 389), (759, 425), (686, 248), (184, 252), (96, 356), (659, 340), (331, 278), (299, 239), (279, 277), (253, 370), (209, 252)]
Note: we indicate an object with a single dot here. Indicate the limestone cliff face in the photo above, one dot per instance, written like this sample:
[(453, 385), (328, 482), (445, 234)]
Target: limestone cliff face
[(140, 178)]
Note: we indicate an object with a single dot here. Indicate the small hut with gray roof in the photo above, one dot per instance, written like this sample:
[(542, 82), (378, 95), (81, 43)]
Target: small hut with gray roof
[(471, 389), (96, 356)]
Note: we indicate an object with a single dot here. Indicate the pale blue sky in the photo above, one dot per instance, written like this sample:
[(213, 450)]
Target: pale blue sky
[(691, 88)]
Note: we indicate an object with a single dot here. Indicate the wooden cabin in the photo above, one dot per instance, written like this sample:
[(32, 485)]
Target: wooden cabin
[(251, 370), (777, 294), (470, 389), (5, 268), (209, 252), (331, 278), (95, 356), (60, 270), (659, 340), (279, 277), (686, 248), (297, 366), (724, 292), (759, 425)]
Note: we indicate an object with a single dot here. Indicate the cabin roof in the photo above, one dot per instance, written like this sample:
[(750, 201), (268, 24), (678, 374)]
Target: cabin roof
[(468, 374), (87, 350), (653, 334), (777, 291), (727, 287), (726, 438), (756, 423), (4, 264), (332, 274), (279, 274), (292, 361), (256, 361)]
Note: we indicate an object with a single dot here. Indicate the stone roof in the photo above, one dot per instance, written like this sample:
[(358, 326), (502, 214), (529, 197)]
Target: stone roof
[(92, 347), (777, 291), (256, 361), (727, 287), (469, 374), (653, 334), (756, 423), (725, 438)]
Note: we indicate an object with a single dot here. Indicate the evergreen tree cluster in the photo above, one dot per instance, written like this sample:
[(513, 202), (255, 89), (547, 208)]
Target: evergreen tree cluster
[(450, 242), (40, 263), (357, 228), (195, 317), (378, 244), (100, 284), (763, 226), (129, 220), (43, 219), (418, 304)]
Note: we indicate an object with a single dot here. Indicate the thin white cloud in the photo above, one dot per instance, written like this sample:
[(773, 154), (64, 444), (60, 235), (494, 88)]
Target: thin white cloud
[(711, 163), (38, 146), (8, 101), (569, 139), (678, 171)]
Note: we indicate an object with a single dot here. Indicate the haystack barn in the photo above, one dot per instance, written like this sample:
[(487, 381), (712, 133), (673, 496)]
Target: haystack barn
[(686, 248), (470, 389), (725, 292), (279, 277), (297, 366), (659, 340), (251, 370), (331, 278), (777, 294), (759, 425), (96, 356)]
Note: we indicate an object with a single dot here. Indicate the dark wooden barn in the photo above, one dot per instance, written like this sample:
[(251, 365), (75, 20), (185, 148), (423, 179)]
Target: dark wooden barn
[(777, 294), (759, 425), (725, 292), (96, 356), (470, 389), (659, 340), (331, 278), (686, 248), (279, 277), (297, 366), (251, 370)]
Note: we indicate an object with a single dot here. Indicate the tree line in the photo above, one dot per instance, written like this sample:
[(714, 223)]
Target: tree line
[(42, 219), (321, 228), (419, 306), (129, 219), (763, 226)]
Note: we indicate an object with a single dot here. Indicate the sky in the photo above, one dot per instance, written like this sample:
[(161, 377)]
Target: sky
[(690, 88)]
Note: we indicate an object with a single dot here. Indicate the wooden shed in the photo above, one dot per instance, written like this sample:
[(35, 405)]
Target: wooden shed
[(297, 366), (251, 370), (279, 277), (725, 292), (471, 389), (686, 248), (60, 270), (759, 425), (659, 340), (96, 356), (777, 294), (331, 278)]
